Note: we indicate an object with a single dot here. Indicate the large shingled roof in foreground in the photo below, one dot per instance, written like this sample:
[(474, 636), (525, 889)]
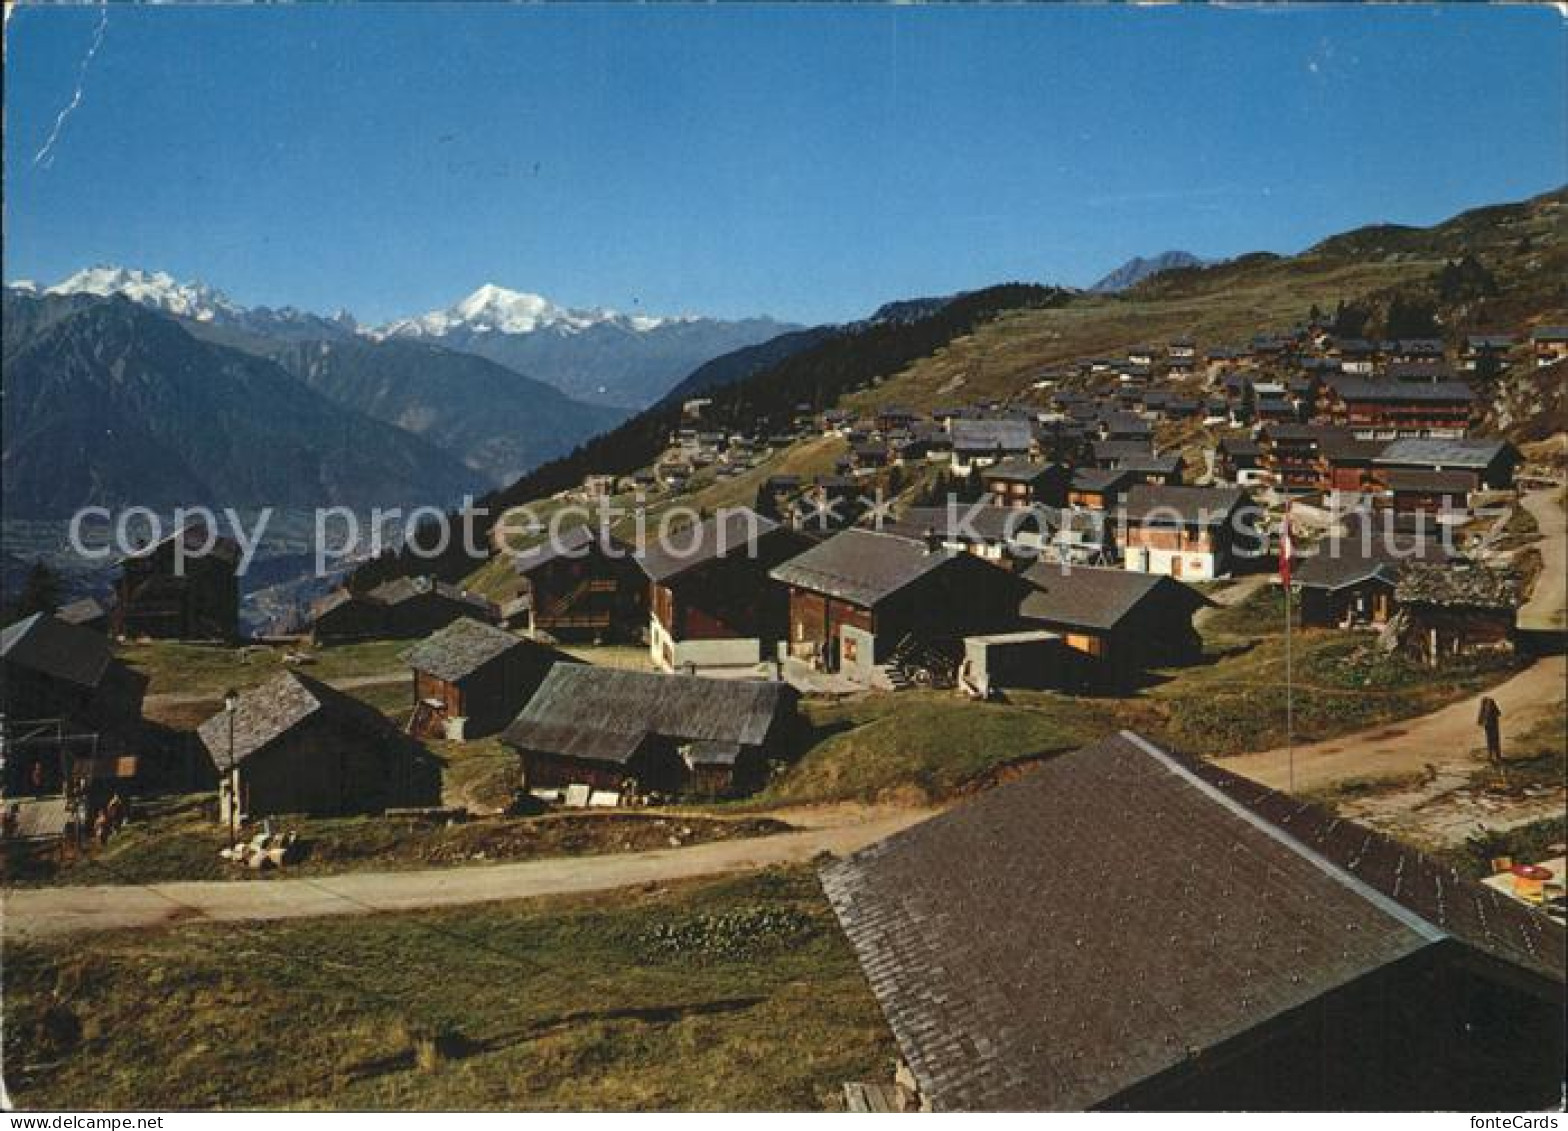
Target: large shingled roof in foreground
[(1082, 929)]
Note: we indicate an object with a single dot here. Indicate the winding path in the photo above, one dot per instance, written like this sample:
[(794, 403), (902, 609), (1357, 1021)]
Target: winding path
[(1547, 608), (41, 913), (1447, 736)]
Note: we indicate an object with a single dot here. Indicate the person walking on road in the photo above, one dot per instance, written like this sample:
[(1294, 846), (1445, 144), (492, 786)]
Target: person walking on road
[(1490, 720)]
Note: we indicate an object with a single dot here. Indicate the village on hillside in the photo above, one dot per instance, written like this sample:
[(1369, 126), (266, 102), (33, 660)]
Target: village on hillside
[(957, 595), (807, 559)]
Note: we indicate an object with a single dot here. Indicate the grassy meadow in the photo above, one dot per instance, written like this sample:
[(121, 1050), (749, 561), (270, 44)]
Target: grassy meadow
[(730, 994)]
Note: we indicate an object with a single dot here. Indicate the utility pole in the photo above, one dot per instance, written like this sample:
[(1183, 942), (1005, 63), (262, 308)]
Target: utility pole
[(231, 702)]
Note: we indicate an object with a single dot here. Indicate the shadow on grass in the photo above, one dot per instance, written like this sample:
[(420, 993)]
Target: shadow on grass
[(452, 1045)]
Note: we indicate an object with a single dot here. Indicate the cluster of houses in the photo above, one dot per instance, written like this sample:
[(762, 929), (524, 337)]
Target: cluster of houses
[(1069, 565)]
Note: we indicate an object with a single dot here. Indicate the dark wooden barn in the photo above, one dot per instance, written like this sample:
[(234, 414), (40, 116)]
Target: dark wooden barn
[(476, 673), (1127, 929), (1450, 610), (638, 733), (60, 673), (295, 745), (342, 617), (1350, 583), (1122, 623), (856, 597), (185, 587), (417, 606), (583, 585)]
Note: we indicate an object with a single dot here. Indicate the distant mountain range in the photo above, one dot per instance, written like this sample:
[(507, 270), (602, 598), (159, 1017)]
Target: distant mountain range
[(110, 403), (1137, 269), (593, 355), (598, 356)]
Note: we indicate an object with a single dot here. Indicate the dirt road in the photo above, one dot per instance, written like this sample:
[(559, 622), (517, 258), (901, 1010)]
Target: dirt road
[(47, 912), (1547, 608), (1445, 737)]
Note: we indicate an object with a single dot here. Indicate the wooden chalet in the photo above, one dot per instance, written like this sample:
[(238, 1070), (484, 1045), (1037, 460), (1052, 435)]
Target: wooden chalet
[(858, 596), (1098, 488), (417, 606), (1449, 610), (1020, 483), (626, 734), (1429, 492), (1384, 409), (295, 745), (1128, 929), (1121, 623), (1350, 583), (185, 587), (1291, 456), (471, 679), (1191, 532), (65, 675), (980, 443), (583, 585), (711, 604), (1485, 465), (1124, 426), (1345, 462), (1238, 460), (1357, 357)]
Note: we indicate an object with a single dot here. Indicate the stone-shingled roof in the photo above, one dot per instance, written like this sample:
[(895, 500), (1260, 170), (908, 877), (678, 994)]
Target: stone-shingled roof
[(1467, 586), (1097, 597), (462, 648), (863, 567), (605, 714), (1077, 931), (736, 531), (271, 710)]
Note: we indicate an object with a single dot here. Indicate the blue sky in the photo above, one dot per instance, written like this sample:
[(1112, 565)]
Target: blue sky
[(804, 163)]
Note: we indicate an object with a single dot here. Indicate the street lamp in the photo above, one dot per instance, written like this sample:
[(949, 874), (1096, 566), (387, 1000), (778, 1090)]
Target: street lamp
[(231, 702)]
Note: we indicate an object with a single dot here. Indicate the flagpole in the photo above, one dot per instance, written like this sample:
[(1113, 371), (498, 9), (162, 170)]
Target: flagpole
[(1290, 720), (1287, 551)]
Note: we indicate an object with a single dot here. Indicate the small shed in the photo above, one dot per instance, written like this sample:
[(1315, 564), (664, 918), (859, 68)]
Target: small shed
[(1450, 610), (471, 679), (1030, 660)]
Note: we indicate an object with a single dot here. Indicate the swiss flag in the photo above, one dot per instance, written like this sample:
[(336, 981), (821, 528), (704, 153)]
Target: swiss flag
[(1286, 549)]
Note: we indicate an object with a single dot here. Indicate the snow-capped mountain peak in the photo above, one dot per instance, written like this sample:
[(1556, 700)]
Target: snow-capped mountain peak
[(156, 289), (494, 309)]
